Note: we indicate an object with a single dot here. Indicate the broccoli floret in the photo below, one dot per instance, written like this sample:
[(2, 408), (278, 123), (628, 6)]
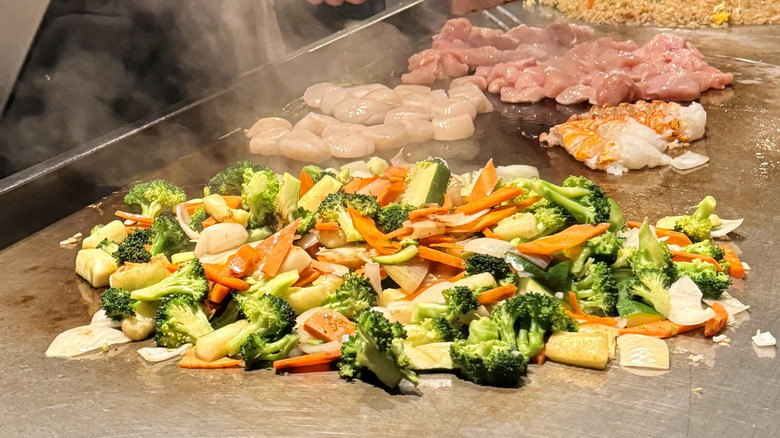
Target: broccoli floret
[(392, 216), (96, 228), (495, 266), (550, 220), (605, 247), (482, 329), (698, 225), (459, 301), (308, 220), (334, 209), (705, 247), (180, 320), (258, 192), (597, 292), (267, 315), (259, 351), (133, 248), (711, 283), (197, 218), (108, 246), (167, 236), (579, 196), (652, 255), (277, 285), (228, 182), (650, 287), (352, 297), (624, 256), (430, 330), (155, 197), (117, 303), (187, 280), (377, 346), (492, 362), (525, 320)]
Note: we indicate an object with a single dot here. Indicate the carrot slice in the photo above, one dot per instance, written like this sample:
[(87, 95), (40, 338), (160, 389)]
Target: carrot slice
[(232, 201), (274, 248), (328, 325), (501, 195), (390, 193), (540, 357), (367, 229), (209, 221), (679, 256), (416, 293), (191, 361), (487, 232), (659, 329), (673, 237), (218, 293), (497, 294), (394, 173), (736, 269), (485, 221), (485, 183), (326, 226), (399, 233), (352, 186), (192, 206), (243, 262), (440, 257), (568, 238), (306, 182), (307, 276), (216, 274), (716, 323), (134, 217), (317, 368), (307, 360), (432, 240), (445, 207), (577, 313)]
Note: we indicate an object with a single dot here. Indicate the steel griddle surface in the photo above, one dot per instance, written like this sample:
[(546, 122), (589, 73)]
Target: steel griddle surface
[(727, 391)]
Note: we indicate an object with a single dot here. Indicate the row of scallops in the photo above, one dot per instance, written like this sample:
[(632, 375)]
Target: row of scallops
[(356, 121)]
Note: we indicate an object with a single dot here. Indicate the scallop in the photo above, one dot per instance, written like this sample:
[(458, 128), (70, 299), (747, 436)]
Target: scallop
[(453, 128), (314, 123), (363, 111), (453, 107), (425, 101), (304, 146), (313, 95), (349, 145), (331, 97), (473, 93), (387, 136), (405, 90), (418, 130), (361, 91), (266, 124), (342, 128), (385, 96), (398, 115), (265, 143)]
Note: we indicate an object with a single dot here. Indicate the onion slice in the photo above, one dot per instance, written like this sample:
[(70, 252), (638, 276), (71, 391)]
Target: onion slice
[(689, 160), (83, 339), (319, 348), (159, 354), (374, 276), (184, 221), (726, 226), (685, 303), (488, 246), (508, 173)]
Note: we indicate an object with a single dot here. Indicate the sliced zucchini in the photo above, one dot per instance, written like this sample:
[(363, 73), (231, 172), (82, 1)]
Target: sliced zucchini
[(427, 183), (404, 255)]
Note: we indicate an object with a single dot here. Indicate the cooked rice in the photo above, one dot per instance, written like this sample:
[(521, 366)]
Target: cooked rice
[(670, 13)]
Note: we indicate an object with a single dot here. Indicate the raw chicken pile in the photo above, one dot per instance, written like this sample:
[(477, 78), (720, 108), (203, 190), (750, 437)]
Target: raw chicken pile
[(628, 136), (526, 64), (355, 122)]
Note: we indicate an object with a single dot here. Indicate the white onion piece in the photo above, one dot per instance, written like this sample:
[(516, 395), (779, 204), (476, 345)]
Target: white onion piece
[(539, 260), (689, 160), (80, 340), (685, 303), (632, 237), (297, 259), (488, 246), (219, 258), (433, 294), (400, 159), (732, 305), (374, 276), (220, 237), (508, 173), (764, 339), (99, 319), (319, 348), (726, 226), (159, 354), (454, 220), (643, 352), (184, 221), (338, 270), (409, 275), (358, 169), (307, 241)]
